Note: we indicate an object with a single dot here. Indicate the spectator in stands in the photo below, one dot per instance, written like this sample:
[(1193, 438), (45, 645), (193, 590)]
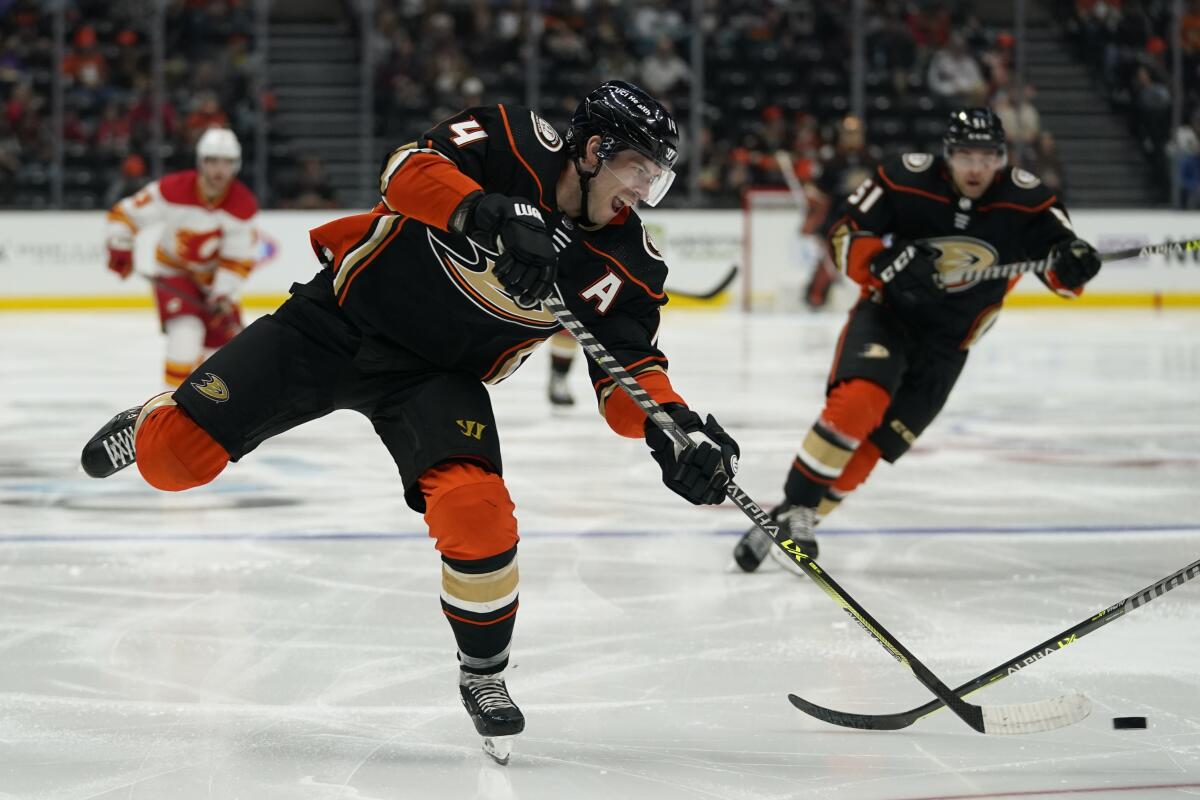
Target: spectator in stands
[(564, 45), (114, 133), (616, 62), (10, 156), (311, 189), (1021, 123), (997, 60), (87, 69), (954, 76), (1152, 100), (1184, 149), (1048, 166), (653, 19), (129, 181), (21, 99), (141, 112), (205, 113), (663, 70), (894, 50)]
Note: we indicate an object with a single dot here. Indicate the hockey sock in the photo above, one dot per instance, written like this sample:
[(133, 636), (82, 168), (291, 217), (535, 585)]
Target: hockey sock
[(176, 372), (562, 352), (173, 452), (470, 515), (865, 457), (852, 410)]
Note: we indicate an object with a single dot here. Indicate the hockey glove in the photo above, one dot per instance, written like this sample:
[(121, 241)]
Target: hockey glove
[(908, 272), (120, 262), (698, 474), (527, 262), (1075, 262), (224, 318)]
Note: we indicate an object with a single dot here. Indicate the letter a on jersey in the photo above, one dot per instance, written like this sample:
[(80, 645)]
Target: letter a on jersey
[(603, 291)]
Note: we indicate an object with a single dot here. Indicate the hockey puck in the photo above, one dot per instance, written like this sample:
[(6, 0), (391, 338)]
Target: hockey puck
[(1129, 723)]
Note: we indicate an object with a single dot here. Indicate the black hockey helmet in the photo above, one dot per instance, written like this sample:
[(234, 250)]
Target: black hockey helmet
[(974, 127), (627, 117)]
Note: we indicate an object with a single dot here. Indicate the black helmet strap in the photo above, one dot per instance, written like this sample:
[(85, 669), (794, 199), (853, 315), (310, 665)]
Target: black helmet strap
[(585, 178)]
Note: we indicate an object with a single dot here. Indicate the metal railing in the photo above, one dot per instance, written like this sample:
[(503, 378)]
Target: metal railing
[(703, 93)]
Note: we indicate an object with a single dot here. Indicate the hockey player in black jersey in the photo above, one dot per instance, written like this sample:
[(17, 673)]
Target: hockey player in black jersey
[(919, 217), (419, 303)]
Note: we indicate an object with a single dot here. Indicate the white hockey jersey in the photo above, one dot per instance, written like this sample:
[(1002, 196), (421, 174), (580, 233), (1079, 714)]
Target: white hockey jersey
[(214, 243)]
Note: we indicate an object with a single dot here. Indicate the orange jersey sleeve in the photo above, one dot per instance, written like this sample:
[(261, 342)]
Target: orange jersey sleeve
[(424, 184), (626, 417)]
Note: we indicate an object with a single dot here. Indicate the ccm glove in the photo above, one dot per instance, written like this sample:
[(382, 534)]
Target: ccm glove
[(908, 272), (527, 262), (120, 262), (698, 474), (1075, 262)]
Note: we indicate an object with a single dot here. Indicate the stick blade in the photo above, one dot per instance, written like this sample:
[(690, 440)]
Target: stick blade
[(866, 722), (1044, 715)]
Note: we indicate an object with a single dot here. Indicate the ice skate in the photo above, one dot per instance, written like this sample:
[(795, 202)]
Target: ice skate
[(797, 522), (496, 716), (558, 392), (111, 449)]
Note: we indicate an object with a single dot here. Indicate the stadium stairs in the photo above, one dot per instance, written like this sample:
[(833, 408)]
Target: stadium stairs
[(314, 72), (1103, 164)]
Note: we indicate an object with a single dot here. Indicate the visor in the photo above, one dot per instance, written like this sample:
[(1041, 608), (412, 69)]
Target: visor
[(649, 188), (977, 157)]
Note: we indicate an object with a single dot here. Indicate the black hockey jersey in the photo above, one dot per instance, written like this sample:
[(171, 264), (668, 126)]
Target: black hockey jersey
[(913, 197), (405, 279)]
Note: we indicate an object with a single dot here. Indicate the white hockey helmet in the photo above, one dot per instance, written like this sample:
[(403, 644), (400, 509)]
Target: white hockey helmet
[(219, 143)]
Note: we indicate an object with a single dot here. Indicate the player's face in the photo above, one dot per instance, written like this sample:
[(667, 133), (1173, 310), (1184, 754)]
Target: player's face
[(218, 173), (623, 180), (973, 169)]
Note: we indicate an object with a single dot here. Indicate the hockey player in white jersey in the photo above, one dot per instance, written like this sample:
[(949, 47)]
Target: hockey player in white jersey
[(204, 253)]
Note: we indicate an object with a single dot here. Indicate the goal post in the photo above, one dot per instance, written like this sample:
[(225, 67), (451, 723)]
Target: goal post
[(777, 259)]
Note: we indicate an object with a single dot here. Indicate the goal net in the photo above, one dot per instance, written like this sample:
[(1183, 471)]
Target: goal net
[(777, 260)]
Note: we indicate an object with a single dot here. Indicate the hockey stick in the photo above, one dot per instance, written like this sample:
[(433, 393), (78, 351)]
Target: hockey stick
[(784, 159), (158, 283), (1041, 265), (1040, 716), (824, 266), (902, 719), (721, 286)]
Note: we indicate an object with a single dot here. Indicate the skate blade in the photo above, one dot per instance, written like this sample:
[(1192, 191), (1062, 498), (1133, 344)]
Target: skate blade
[(499, 747)]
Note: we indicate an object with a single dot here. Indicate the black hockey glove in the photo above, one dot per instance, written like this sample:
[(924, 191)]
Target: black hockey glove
[(1075, 262), (908, 272), (698, 474), (527, 262)]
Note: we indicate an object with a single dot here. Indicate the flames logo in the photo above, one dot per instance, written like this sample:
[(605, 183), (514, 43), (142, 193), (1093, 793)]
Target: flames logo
[(197, 247), (472, 275)]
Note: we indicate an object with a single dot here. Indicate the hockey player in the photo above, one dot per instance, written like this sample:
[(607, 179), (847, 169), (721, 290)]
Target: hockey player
[(906, 341), (563, 349), (205, 250), (421, 302), (851, 163)]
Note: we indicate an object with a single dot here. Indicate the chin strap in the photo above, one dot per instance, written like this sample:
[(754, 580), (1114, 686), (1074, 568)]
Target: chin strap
[(584, 178)]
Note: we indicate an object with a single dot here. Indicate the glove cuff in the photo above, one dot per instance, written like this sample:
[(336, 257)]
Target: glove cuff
[(462, 219), (683, 416)]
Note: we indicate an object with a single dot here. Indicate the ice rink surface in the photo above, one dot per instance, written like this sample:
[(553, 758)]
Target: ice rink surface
[(277, 635)]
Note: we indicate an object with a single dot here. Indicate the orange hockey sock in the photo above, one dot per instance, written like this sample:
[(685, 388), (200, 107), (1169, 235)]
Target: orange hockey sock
[(852, 410), (468, 511), (470, 515), (863, 461), (174, 453)]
